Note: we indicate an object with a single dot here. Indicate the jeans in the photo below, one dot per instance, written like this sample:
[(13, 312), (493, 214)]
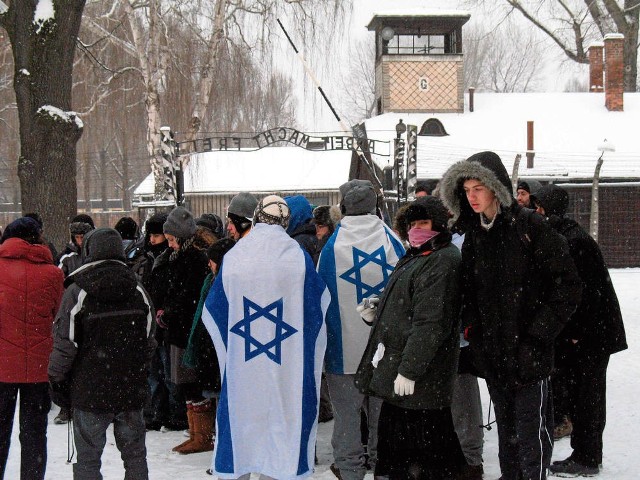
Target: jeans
[(34, 407), (164, 406), (89, 432)]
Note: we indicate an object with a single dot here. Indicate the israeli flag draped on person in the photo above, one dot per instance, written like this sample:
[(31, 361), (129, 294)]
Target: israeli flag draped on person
[(265, 313), (355, 263)]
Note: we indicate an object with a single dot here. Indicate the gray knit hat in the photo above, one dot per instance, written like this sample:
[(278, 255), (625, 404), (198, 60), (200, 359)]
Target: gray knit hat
[(243, 205), (358, 197), (180, 223), (102, 244)]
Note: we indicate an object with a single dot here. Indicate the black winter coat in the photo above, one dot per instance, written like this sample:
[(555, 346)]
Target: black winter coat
[(519, 290), (183, 279), (305, 235), (103, 338), (597, 322), (418, 323)]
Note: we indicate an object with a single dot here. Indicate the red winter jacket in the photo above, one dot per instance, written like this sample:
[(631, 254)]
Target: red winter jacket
[(30, 292)]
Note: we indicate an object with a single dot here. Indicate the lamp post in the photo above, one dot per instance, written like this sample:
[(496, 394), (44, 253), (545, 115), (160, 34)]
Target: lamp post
[(605, 146)]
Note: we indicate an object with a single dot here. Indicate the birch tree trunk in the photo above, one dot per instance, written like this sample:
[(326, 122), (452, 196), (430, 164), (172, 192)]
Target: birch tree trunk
[(153, 60)]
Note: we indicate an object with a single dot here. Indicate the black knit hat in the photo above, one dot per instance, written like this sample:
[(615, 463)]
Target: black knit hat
[(428, 208), (531, 186), (219, 249), (25, 228), (213, 222), (127, 228), (154, 223)]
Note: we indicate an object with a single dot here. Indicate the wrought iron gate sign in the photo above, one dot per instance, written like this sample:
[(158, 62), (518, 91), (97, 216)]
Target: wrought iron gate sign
[(276, 136)]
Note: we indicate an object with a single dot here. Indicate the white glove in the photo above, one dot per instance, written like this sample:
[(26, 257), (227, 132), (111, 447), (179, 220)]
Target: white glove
[(368, 308), (403, 386)]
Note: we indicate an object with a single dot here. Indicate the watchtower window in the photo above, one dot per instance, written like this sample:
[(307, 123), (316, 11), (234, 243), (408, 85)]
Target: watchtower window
[(417, 45)]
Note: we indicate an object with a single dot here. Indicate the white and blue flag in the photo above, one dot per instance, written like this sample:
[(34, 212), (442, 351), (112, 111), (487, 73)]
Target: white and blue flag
[(265, 313), (355, 263)]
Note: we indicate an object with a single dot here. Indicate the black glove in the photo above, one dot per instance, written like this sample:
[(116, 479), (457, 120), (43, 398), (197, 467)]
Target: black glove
[(60, 393)]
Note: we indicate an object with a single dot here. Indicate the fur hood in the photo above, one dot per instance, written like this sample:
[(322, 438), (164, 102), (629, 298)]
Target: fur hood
[(485, 167)]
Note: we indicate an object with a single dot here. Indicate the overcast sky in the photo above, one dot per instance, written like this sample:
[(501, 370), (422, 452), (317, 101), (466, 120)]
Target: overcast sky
[(313, 113)]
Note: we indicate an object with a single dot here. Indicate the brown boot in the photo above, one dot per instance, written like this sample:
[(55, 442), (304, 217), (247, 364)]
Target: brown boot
[(563, 429), (190, 420), (203, 432)]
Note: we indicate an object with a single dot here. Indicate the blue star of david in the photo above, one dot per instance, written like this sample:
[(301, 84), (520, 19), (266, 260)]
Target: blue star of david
[(253, 347), (354, 274)]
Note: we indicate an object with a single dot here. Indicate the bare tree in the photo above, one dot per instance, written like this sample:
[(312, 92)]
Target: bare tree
[(220, 30), (502, 60), (358, 83), (573, 24), (43, 45)]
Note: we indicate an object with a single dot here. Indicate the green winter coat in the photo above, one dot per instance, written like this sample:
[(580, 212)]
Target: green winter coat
[(418, 323)]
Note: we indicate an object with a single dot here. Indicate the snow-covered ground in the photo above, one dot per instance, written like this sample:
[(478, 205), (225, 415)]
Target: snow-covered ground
[(622, 434)]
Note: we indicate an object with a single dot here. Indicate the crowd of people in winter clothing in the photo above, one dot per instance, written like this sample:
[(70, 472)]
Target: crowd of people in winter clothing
[(249, 330)]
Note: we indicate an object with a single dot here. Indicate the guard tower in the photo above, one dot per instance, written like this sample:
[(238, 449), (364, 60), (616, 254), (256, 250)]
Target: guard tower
[(419, 61)]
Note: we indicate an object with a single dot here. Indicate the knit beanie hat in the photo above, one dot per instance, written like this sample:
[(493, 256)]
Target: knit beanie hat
[(219, 249), (213, 222), (127, 228), (102, 244), (530, 186), (155, 223), (428, 208), (25, 228), (243, 205), (358, 197), (180, 223), (272, 210)]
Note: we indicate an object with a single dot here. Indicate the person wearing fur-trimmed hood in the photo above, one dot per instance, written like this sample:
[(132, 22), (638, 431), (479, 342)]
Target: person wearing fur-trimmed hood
[(519, 288)]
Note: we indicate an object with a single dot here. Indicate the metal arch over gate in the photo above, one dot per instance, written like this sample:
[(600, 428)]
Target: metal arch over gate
[(275, 136)]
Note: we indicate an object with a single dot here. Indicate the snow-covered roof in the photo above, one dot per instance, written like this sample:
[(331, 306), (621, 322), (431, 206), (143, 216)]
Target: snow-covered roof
[(267, 170), (416, 12), (568, 129)]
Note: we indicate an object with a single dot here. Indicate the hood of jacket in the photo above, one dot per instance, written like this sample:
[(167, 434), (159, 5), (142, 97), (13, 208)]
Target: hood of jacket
[(104, 272), (108, 280), (487, 168), (554, 200), (300, 210), (20, 249)]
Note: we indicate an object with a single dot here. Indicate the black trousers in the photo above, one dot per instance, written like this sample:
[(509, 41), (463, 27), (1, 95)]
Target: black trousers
[(587, 387), (35, 404), (525, 429)]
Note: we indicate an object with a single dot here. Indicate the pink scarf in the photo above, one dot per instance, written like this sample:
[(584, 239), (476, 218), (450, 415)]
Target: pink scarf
[(418, 236)]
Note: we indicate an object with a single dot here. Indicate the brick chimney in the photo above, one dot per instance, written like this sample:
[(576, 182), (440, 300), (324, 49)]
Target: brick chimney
[(614, 71), (595, 52)]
